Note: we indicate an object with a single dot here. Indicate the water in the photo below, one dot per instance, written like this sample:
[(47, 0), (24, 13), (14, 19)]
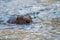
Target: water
[(42, 12)]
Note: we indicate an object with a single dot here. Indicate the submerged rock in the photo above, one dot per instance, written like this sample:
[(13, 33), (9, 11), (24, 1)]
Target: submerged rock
[(20, 19), (57, 20)]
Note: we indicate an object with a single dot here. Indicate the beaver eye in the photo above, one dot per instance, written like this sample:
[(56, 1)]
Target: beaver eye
[(17, 18), (27, 21)]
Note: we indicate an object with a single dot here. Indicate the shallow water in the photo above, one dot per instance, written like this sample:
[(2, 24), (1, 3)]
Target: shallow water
[(42, 12)]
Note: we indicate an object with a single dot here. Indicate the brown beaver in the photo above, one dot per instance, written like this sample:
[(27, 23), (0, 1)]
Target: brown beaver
[(20, 19)]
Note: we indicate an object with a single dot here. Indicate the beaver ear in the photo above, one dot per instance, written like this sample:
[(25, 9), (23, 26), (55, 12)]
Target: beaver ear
[(17, 18)]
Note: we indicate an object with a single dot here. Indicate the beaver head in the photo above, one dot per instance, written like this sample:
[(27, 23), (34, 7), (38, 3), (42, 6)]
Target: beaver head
[(21, 19)]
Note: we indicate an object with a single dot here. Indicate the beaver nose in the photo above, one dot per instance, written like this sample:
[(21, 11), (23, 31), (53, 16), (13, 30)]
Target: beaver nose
[(27, 21)]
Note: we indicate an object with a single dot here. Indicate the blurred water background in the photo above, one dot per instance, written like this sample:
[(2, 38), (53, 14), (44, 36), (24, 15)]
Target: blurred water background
[(45, 12)]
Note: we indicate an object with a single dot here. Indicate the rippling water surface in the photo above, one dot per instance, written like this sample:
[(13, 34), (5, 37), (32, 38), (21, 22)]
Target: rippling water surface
[(46, 14)]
